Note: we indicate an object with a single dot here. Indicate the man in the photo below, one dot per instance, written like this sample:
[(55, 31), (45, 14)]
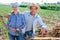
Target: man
[(15, 23), (32, 18)]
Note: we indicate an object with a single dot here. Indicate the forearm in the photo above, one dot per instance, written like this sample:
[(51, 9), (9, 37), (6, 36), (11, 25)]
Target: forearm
[(41, 24)]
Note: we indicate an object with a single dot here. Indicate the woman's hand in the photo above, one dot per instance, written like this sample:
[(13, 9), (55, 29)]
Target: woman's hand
[(13, 29)]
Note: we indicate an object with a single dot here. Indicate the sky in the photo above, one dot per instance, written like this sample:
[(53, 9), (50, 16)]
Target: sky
[(31, 1)]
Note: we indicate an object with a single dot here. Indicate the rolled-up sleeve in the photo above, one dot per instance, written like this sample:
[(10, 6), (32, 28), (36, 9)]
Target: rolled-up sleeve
[(41, 24)]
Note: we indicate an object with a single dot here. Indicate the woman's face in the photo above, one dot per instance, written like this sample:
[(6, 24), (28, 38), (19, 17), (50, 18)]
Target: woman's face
[(14, 8)]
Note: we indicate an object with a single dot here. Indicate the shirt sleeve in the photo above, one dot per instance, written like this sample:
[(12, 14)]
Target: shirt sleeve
[(8, 23), (23, 21), (41, 24)]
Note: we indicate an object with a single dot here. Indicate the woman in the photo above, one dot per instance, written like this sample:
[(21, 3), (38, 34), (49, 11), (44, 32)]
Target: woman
[(15, 24)]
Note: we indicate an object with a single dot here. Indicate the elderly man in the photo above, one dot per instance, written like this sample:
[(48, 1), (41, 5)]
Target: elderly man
[(32, 18), (15, 23)]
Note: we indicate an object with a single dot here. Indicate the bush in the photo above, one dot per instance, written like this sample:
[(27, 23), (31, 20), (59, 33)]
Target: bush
[(50, 7), (43, 7), (23, 5), (47, 6)]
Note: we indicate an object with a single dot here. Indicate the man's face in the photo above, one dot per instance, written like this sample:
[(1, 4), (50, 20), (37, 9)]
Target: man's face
[(14, 8), (33, 10)]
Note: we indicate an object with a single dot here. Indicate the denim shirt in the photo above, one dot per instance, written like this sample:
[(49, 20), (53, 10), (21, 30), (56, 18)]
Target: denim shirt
[(36, 19), (15, 21)]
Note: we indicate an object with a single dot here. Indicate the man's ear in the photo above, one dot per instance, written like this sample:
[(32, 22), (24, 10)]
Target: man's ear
[(8, 15)]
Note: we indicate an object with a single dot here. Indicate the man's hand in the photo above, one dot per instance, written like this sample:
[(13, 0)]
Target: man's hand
[(7, 16), (13, 29), (43, 31)]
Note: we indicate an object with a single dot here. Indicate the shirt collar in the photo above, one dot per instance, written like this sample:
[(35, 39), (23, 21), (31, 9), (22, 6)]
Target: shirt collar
[(34, 15), (16, 14)]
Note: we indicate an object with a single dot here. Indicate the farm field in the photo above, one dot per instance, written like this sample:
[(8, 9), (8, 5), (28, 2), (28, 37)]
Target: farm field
[(50, 17)]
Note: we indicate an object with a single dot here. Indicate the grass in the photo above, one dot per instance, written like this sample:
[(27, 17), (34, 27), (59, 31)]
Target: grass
[(47, 16)]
